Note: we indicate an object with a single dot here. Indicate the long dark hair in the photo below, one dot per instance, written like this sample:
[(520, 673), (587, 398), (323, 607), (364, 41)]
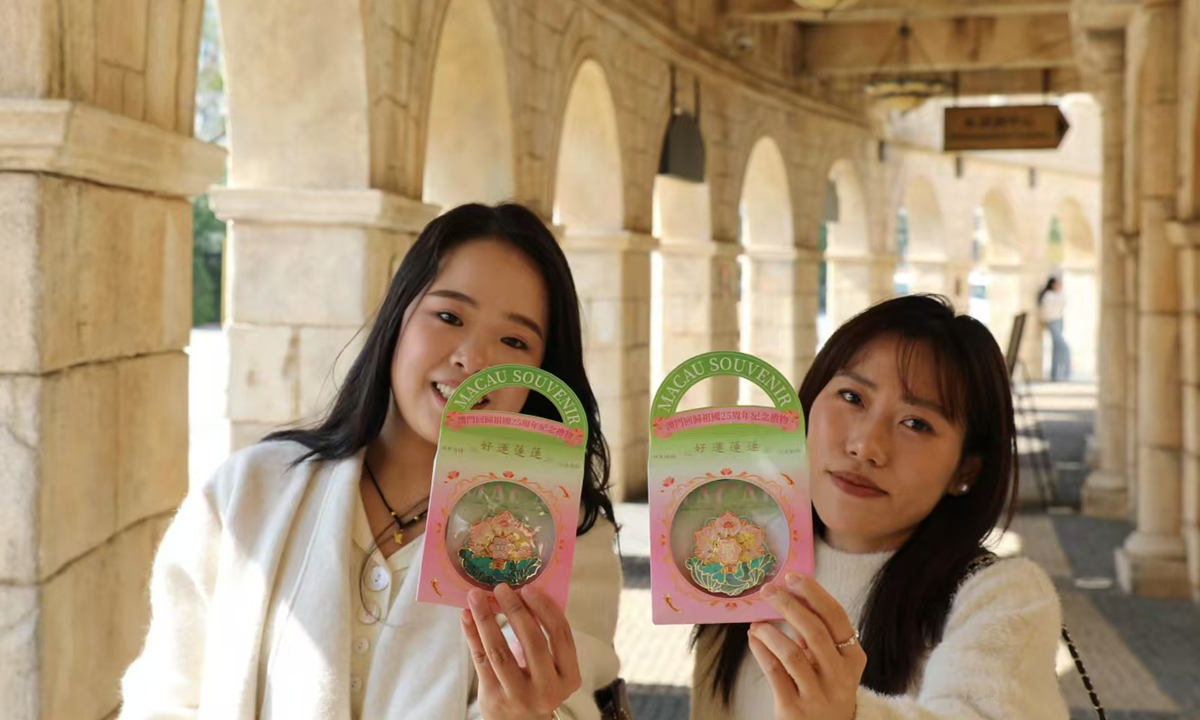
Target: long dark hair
[(358, 413), (910, 598), (1048, 287)]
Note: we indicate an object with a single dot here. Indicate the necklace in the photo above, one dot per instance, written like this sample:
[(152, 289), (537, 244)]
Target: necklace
[(402, 523)]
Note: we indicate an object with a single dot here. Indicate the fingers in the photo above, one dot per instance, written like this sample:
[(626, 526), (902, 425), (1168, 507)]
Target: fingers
[(783, 687), (494, 652), (790, 655), (832, 615), (808, 626), (831, 612), (489, 684), (558, 629), (529, 633)]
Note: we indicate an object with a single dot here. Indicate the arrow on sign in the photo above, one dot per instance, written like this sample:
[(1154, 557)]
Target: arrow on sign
[(1007, 127)]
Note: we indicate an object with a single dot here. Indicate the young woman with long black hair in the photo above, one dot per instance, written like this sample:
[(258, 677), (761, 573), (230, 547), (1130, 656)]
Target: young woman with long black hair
[(913, 461), (285, 586)]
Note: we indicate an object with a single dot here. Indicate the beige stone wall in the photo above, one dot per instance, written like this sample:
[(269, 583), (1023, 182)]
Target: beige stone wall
[(96, 104), (93, 431), (135, 58), (1187, 236), (279, 342), (327, 190)]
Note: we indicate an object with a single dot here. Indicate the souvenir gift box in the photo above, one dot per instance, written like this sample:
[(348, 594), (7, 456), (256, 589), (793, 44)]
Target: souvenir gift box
[(729, 499), (504, 504)]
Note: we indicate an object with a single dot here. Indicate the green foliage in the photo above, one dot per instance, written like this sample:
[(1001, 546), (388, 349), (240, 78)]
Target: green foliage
[(208, 240), (1057, 251), (208, 233)]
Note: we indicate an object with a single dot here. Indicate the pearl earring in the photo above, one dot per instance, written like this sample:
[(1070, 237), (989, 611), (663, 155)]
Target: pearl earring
[(963, 488)]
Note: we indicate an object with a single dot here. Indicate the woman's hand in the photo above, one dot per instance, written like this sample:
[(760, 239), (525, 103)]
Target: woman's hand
[(810, 677), (530, 687)]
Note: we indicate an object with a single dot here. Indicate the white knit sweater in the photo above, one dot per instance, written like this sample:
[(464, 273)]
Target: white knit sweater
[(995, 660)]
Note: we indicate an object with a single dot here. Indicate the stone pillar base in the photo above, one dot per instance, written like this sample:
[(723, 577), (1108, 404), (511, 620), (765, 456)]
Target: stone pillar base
[(1191, 541), (1105, 495), (1091, 452), (1152, 575)]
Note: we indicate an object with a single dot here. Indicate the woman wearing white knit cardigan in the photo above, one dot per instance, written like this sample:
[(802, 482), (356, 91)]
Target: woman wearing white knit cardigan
[(913, 460), (285, 587)]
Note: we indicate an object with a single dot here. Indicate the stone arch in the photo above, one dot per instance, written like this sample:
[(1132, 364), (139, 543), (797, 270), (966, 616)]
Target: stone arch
[(469, 146), (681, 276), (1003, 245), (589, 186), (279, 137), (1078, 236), (927, 234), (693, 279), (1076, 266), (765, 203), (768, 240), (997, 281), (925, 256), (848, 263)]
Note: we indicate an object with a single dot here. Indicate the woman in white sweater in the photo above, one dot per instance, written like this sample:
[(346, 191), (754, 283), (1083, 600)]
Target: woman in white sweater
[(913, 460), (285, 587)]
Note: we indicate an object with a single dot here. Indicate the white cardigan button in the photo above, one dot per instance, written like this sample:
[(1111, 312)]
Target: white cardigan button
[(379, 579), (362, 645), (356, 684), (369, 615)]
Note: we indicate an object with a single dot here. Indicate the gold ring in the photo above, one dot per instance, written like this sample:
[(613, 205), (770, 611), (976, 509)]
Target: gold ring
[(852, 641)]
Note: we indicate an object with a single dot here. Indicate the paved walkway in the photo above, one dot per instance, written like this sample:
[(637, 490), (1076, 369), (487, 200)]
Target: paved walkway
[(1143, 655)]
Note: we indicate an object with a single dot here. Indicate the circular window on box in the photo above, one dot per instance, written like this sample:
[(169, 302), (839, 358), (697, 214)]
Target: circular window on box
[(729, 537), (500, 532)]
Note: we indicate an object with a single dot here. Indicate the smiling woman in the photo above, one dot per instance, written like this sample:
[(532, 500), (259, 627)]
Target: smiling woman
[(912, 461), (305, 545)]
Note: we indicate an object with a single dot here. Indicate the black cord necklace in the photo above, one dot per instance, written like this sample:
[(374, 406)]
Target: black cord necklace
[(402, 523)]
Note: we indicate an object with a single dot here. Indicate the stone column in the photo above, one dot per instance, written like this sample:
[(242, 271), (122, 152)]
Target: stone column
[(929, 275), (700, 282), (95, 313), (1186, 236), (1105, 492), (958, 283), (804, 309), (306, 269), (851, 287), (1129, 256), (612, 275), (782, 315), (1005, 295), (883, 277), (1152, 559)]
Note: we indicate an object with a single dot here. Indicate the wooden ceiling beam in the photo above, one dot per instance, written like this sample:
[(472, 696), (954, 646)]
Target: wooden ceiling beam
[(1004, 43), (891, 10)]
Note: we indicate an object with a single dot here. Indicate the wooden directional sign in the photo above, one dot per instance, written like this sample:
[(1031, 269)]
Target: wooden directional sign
[(1005, 127)]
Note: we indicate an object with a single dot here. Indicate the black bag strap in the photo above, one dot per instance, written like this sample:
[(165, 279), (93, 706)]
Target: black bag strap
[(989, 558)]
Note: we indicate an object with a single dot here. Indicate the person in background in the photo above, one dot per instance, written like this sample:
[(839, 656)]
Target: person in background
[(1050, 307)]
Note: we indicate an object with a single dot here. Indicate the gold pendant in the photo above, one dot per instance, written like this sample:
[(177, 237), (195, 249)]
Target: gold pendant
[(398, 536)]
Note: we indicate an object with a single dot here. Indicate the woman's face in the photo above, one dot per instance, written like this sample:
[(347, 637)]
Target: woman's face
[(487, 306), (881, 459)]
